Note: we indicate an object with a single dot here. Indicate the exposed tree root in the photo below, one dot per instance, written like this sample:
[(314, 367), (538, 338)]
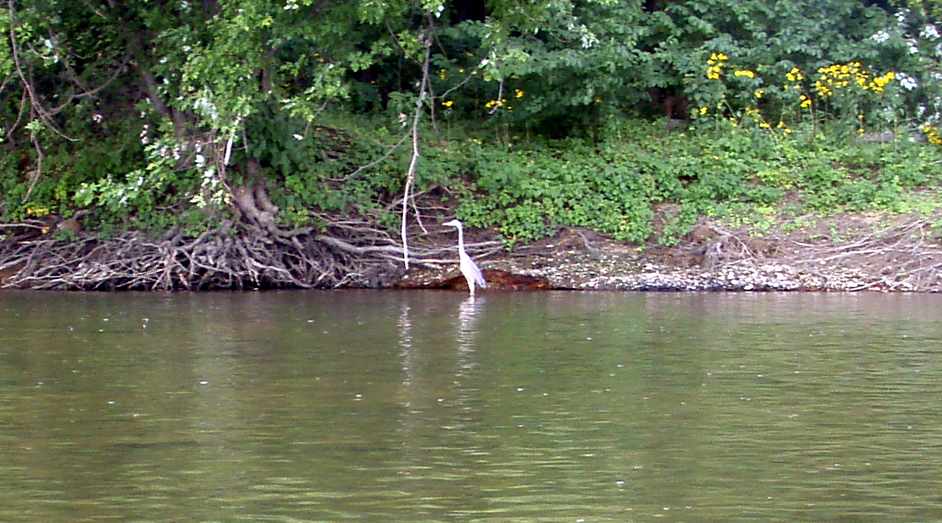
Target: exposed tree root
[(350, 254)]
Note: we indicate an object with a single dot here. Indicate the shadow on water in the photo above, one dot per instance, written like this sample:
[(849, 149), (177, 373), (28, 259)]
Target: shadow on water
[(410, 406)]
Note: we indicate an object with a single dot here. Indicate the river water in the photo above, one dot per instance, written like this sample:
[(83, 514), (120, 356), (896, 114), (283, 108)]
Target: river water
[(426, 406)]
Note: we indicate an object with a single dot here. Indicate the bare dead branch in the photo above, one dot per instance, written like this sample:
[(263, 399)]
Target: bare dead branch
[(410, 175)]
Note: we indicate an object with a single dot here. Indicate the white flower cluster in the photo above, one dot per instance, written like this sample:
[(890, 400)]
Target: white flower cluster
[(206, 107), (211, 190), (909, 36), (907, 82), (933, 118), (880, 36), (200, 158), (47, 52), (901, 17), (588, 38), (929, 32)]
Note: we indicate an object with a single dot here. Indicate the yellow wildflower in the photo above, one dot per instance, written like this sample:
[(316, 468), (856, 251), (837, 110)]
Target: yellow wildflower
[(805, 102), (703, 110), (518, 93), (37, 211), (745, 73), (714, 72), (932, 134), (842, 76), (448, 103), (759, 93), (715, 65), (794, 75), (879, 83)]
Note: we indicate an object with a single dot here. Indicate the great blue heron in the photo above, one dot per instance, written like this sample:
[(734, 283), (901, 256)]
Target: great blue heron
[(468, 268)]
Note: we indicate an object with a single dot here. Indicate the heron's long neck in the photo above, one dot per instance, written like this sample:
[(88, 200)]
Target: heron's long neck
[(460, 239)]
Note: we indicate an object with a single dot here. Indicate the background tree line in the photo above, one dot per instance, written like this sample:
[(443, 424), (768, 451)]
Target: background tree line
[(283, 114)]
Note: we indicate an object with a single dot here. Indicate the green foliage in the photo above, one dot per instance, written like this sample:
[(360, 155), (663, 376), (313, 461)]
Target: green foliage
[(732, 174), (67, 167), (537, 109), (146, 198), (6, 57)]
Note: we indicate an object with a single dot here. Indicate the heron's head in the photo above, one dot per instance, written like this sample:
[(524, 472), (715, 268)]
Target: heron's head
[(453, 223)]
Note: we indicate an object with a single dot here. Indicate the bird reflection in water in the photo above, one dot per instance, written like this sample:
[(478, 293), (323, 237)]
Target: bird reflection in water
[(468, 316), (406, 356)]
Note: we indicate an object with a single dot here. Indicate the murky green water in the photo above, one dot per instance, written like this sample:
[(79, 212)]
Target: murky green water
[(423, 406)]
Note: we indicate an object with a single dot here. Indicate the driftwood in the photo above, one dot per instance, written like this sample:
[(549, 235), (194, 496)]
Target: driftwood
[(904, 257)]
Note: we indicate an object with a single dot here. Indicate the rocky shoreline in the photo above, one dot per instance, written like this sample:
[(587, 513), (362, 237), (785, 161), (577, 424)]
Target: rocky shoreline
[(571, 271), (738, 277)]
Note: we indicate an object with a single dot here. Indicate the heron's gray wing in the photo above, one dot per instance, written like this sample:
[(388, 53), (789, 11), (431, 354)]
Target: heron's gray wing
[(471, 270), (479, 277)]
